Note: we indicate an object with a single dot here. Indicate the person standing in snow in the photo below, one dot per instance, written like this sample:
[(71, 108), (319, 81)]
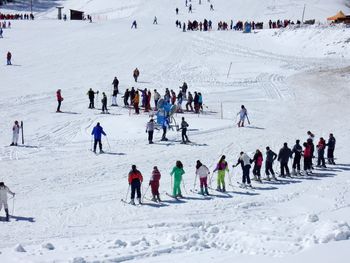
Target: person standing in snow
[(321, 146), (270, 158), (9, 57), (177, 10), (165, 126), (190, 8), (243, 114), (155, 21), (177, 171), (307, 157), (1, 32), (135, 180), (132, 95), (156, 97), (283, 157), (245, 162), (15, 134), (297, 151), (150, 131), (126, 97), (184, 126), (136, 102), (202, 172), (4, 190), (104, 103), (97, 132), (154, 183), (331, 146), (134, 24), (189, 101), (258, 160), (115, 84), (91, 95), (136, 74), (221, 167), (59, 100)]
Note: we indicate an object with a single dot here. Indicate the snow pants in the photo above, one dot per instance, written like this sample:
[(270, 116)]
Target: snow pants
[(155, 187), (91, 104), (177, 185), (296, 162), (256, 170), (3, 203), (99, 144), (330, 155), (184, 135), (15, 138), (136, 106), (203, 182), (59, 105), (245, 177), (284, 167), (320, 159), (307, 163), (221, 179), (150, 136), (269, 168), (135, 187)]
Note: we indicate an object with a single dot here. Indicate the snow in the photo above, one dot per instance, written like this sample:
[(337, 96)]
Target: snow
[(67, 206)]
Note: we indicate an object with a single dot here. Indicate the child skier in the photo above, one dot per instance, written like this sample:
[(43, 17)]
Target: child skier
[(4, 190), (104, 103), (243, 114), (258, 160), (202, 172), (15, 134), (150, 130), (59, 100), (177, 171), (135, 180), (221, 167), (184, 126), (320, 153), (154, 183)]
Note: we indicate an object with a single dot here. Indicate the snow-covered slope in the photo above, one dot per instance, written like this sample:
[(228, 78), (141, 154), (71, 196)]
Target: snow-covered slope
[(291, 81)]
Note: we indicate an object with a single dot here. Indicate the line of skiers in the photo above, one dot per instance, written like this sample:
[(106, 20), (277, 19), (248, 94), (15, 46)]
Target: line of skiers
[(245, 161)]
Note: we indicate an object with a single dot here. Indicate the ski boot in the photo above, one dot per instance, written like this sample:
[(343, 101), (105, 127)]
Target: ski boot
[(255, 178), (180, 196), (223, 189), (12, 144), (101, 151), (294, 173), (132, 202), (206, 191), (7, 215), (154, 198), (274, 177), (139, 200), (202, 191), (159, 198), (218, 188), (267, 178)]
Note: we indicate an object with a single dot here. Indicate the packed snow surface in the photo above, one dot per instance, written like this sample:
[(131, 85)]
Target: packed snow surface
[(67, 206)]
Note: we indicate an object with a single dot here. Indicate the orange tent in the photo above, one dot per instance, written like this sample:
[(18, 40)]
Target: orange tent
[(339, 15)]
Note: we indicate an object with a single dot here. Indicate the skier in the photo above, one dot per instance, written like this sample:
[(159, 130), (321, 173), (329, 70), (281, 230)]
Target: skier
[(97, 132), (1, 32), (150, 130), (297, 151), (115, 91), (155, 21), (134, 24), (4, 190), (59, 100), (15, 134), (177, 10), (156, 99), (135, 180), (307, 158), (91, 95), (211, 7), (179, 102), (177, 171), (196, 102), (104, 103), (165, 126), (320, 153), (136, 74), (136, 102), (270, 158), (312, 146), (331, 146), (283, 157), (258, 160), (202, 172), (184, 88), (132, 95), (221, 167), (154, 183), (200, 101), (126, 97), (183, 129), (245, 162), (189, 101), (9, 57), (190, 8), (243, 114), (310, 135)]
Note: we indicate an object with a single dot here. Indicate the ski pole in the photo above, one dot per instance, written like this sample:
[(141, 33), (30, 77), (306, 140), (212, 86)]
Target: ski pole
[(109, 146), (194, 184), (13, 206), (183, 183), (127, 193), (144, 194)]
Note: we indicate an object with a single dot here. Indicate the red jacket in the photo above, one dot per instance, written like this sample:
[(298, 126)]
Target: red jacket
[(307, 151), (135, 175), (58, 95), (321, 144), (155, 175)]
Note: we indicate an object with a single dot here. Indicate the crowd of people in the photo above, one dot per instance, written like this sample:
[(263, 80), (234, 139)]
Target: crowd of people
[(16, 16)]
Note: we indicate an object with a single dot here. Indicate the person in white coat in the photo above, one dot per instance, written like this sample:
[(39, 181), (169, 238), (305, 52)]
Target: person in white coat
[(4, 190), (15, 134), (245, 162), (202, 172), (243, 114)]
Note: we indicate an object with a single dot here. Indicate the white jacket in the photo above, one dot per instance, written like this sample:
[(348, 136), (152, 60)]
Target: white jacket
[(15, 129), (245, 159), (3, 193), (202, 171)]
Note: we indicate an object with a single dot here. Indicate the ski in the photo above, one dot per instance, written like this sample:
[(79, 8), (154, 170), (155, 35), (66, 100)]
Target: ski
[(244, 186), (205, 196), (128, 203), (22, 132), (174, 197)]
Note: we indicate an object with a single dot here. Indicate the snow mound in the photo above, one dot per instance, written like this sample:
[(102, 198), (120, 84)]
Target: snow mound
[(48, 246), (312, 218), (333, 232), (19, 248), (120, 243), (78, 260)]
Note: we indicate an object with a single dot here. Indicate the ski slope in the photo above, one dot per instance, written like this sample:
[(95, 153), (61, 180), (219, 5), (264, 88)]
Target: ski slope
[(67, 207)]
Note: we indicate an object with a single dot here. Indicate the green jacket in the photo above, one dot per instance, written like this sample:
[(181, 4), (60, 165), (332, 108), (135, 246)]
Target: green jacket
[(177, 172)]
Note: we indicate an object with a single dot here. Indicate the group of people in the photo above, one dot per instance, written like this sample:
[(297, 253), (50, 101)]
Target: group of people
[(305, 151), (282, 23), (16, 16)]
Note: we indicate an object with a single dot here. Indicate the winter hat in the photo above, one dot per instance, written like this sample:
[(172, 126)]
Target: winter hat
[(133, 167), (297, 141), (2, 184)]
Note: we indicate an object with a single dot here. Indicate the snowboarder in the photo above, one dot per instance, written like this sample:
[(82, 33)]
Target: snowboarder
[(134, 24), (183, 129), (177, 171), (104, 103), (320, 153), (4, 190), (97, 132), (136, 74), (136, 102), (126, 97), (155, 21), (331, 146), (59, 100), (154, 183), (9, 57), (270, 158), (221, 167), (243, 114), (297, 151), (91, 95), (245, 162), (258, 160), (150, 131), (135, 180), (15, 134), (202, 172), (283, 157)]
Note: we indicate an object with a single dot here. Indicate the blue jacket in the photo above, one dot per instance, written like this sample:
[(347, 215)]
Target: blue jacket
[(97, 132)]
